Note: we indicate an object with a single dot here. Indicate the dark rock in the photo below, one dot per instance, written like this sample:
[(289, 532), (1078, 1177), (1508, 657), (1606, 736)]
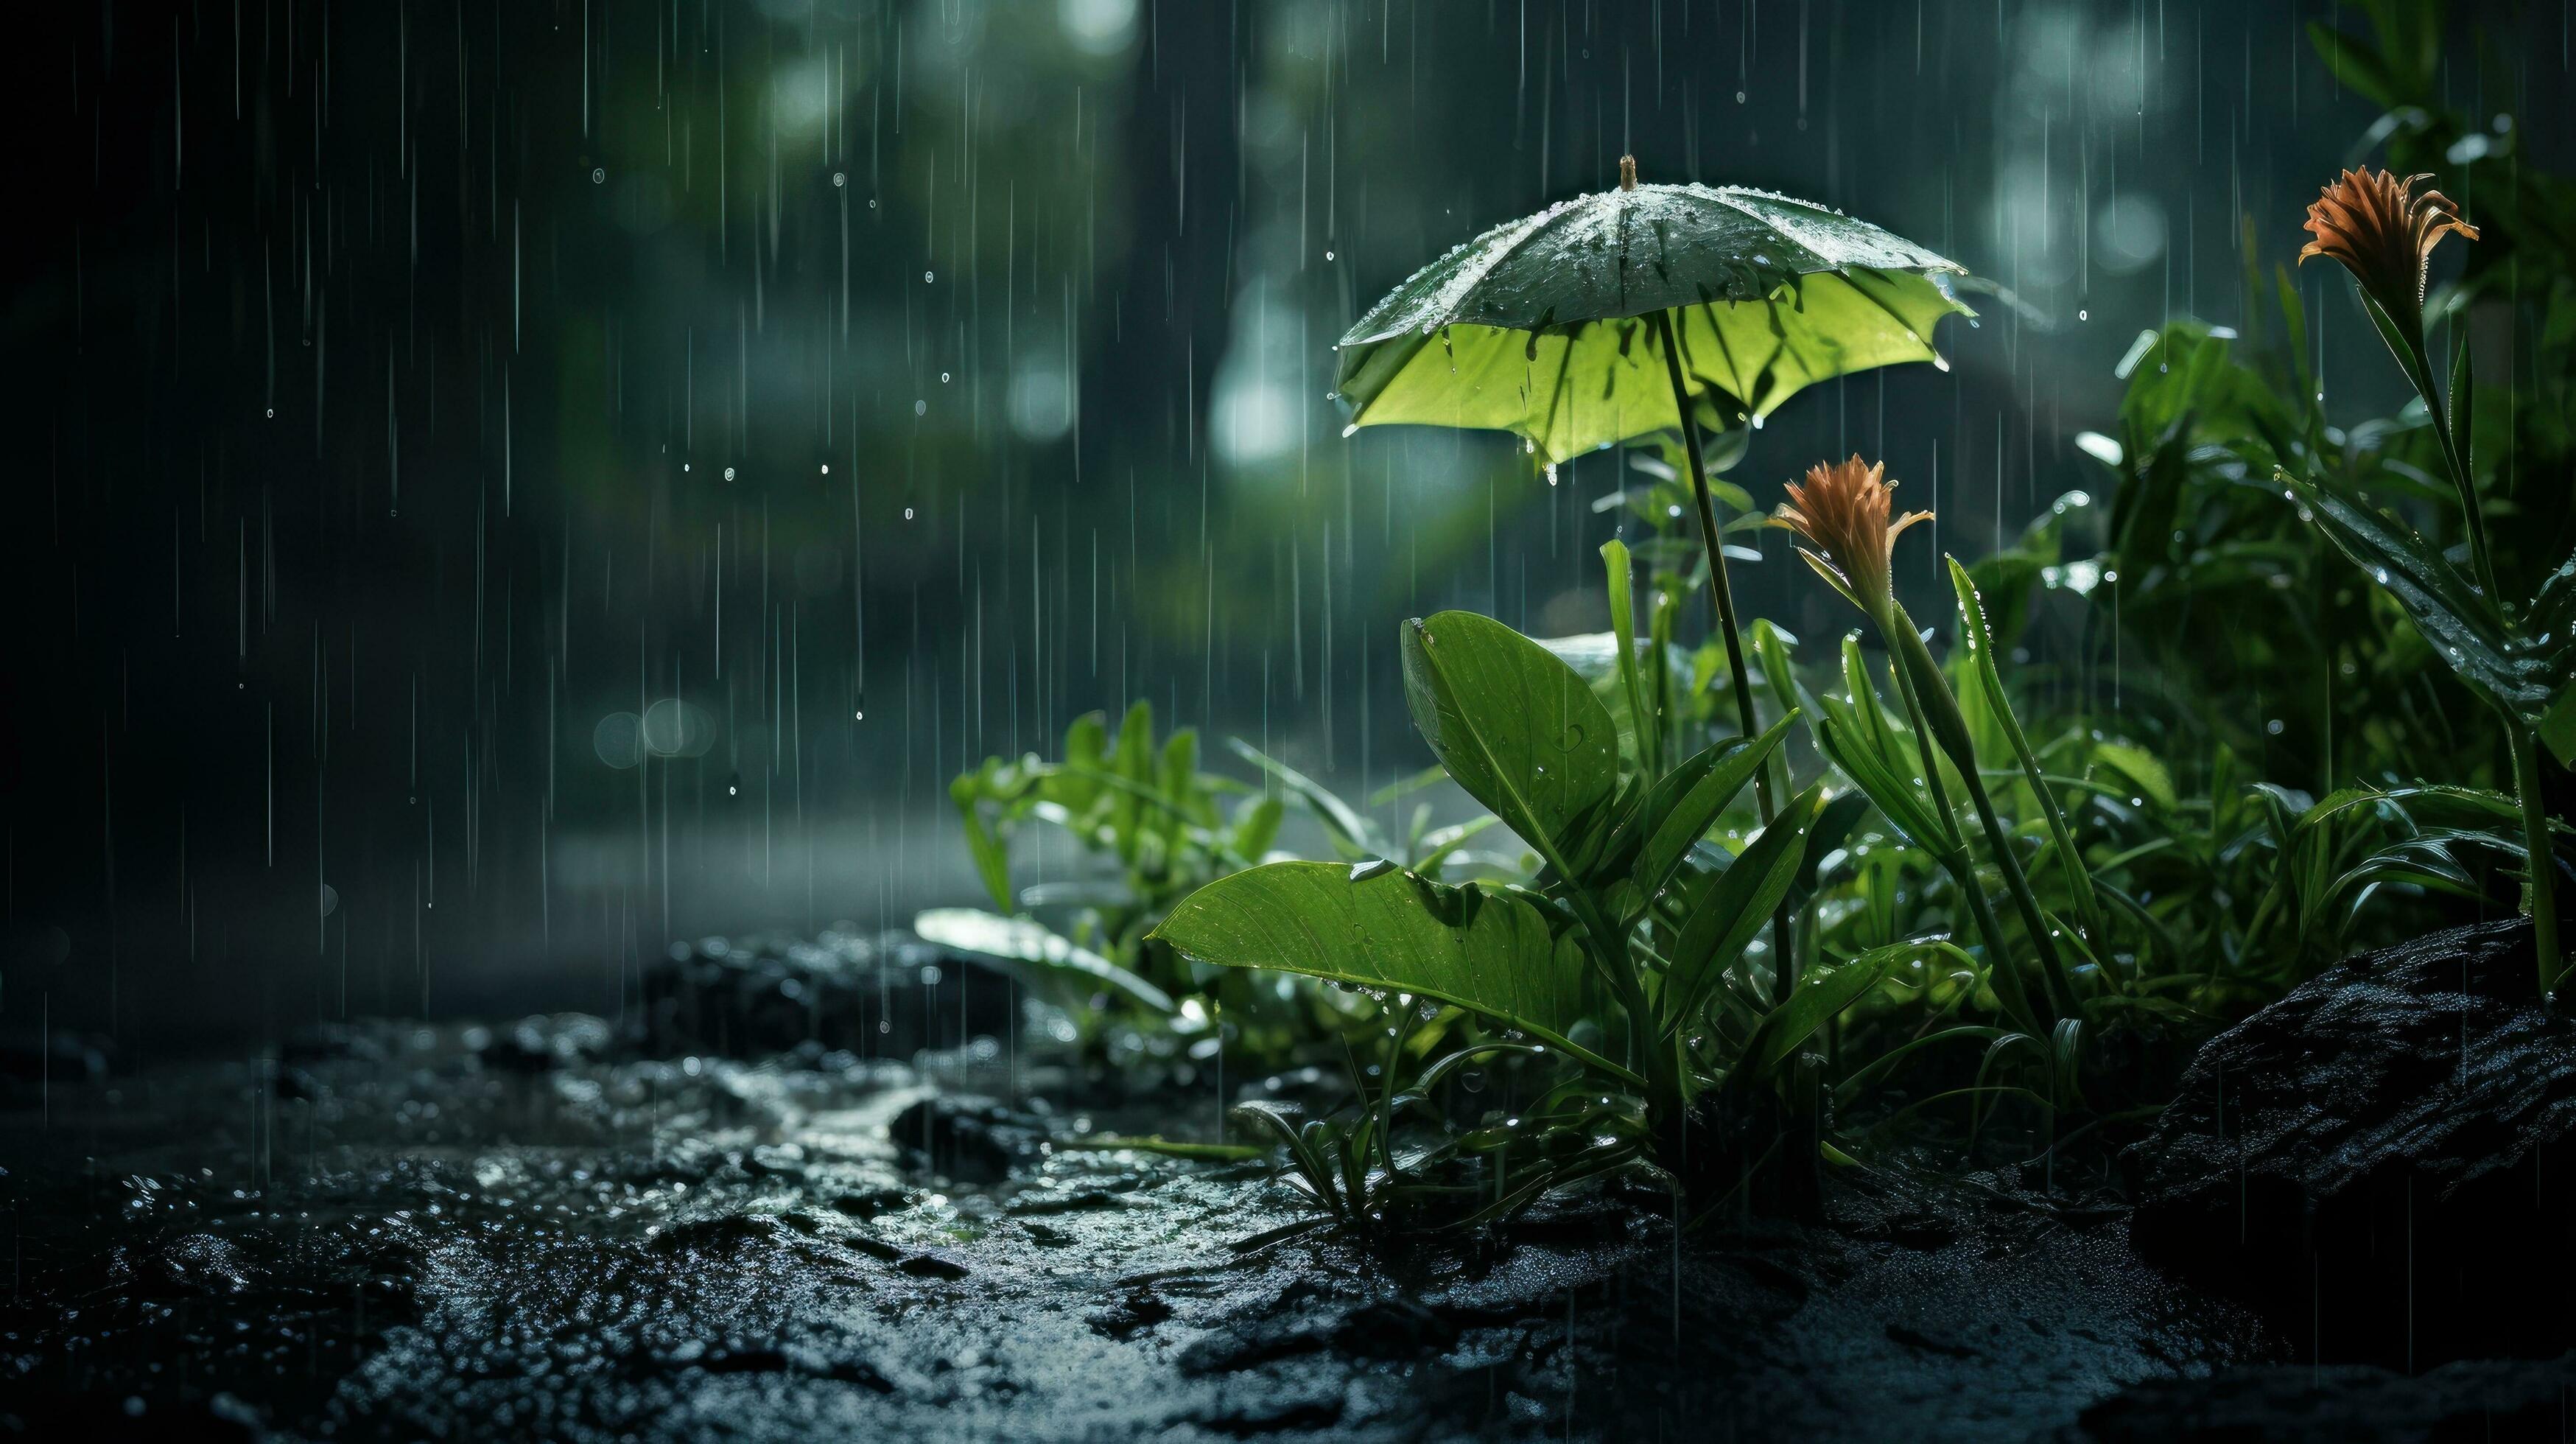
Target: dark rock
[(872, 1203), (932, 1264), (1130, 1314), (967, 1139), (723, 1234), (544, 1043), (2476, 1399), (196, 1263), (2375, 1157), (886, 997), (1395, 1328)]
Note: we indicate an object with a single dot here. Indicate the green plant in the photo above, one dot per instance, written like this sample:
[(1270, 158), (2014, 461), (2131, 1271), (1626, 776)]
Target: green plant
[(1350, 1169), (1630, 954), (2515, 660), (1151, 827)]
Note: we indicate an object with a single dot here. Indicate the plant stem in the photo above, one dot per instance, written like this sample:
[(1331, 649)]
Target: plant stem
[(1784, 974), (2419, 372), (2540, 870)]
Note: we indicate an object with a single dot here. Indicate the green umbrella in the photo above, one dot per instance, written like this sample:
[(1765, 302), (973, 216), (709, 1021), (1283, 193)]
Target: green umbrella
[(1551, 327), (1597, 319)]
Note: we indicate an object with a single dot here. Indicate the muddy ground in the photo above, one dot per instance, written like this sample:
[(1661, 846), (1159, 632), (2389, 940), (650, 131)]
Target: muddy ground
[(393, 1230)]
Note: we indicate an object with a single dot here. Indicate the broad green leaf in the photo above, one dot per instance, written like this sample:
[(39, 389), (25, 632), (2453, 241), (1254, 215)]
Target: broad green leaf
[(1733, 906), (1391, 931), (1516, 728), (1019, 940)]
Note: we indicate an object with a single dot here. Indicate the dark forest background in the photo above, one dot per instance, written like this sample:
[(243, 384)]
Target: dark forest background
[(403, 392)]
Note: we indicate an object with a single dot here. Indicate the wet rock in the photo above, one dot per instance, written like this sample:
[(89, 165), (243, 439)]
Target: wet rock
[(872, 1202), (1130, 1314), (542, 1044), (967, 1139), (2477, 1399), (195, 1263), (882, 997), (932, 1264), (1396, 1328), (2376, 1156), (724, 1234)]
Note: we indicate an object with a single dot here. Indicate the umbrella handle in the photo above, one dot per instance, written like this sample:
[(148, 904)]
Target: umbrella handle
[(1785, 968)]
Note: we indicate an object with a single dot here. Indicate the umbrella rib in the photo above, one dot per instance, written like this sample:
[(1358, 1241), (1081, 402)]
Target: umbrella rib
[(1734, 368), (1489, 264), (1563, 388)]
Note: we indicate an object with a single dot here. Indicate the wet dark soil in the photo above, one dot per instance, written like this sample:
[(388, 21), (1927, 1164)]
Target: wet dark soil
[(395, 1230)]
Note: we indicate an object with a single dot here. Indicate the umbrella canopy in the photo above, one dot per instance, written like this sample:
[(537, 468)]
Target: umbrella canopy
[(1537, 327)]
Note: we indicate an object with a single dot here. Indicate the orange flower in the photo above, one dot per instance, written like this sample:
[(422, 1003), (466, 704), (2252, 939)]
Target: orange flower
[(2384, 234), (1842, 509)]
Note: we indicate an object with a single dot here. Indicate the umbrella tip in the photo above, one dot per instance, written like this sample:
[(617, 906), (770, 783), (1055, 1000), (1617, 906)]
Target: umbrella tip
[(1627, 172)]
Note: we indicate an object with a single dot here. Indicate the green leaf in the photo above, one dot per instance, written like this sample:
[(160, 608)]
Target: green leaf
[(992, 857), (1349, 832), (1845, 742), (1732, 906), (1135, 763), (1856, 737), (2558, 727), (1832, 828), (2463, 401), (1772, 651), (1671, 823), (2142, 771), (2466, 628), (1488, 952), (1086, 749), (1623, 630), (1980, 643), (1517, 729), (1019, 940), (1256, 826), (2354, 64), (1819, 997)]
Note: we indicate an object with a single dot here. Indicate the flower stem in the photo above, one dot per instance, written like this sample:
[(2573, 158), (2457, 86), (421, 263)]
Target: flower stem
[(2540, 869), (1914, 664), (1954, 855)]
